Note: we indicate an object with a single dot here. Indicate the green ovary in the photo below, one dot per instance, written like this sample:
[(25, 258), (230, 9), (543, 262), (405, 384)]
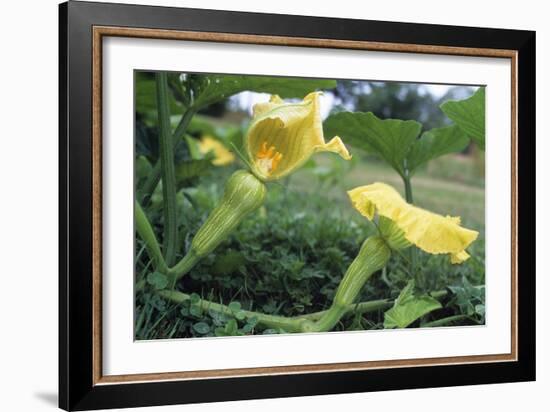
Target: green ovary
[(372, 256), (243, 194)]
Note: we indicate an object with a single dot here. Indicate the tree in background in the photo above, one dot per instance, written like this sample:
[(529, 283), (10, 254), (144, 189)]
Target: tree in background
[(391, 100)]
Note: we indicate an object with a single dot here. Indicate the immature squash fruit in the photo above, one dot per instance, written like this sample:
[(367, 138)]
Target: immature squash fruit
[(243, 194)]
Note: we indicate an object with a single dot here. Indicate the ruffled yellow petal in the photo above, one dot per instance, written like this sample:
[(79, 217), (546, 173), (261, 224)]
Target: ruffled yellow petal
[(222, 156), (282, 136), (262, 108), (459, 257), (335, 145), (429, 231)]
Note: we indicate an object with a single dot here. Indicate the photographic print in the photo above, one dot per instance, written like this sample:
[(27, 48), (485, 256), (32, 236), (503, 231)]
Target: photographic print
[(279, 205), (257, 206)]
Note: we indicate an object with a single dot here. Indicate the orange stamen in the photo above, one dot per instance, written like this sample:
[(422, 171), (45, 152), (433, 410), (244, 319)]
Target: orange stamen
[(276, 161), (268, 158)]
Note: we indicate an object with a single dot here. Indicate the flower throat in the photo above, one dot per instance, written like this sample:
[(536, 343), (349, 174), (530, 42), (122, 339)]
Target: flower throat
[(268, 158)]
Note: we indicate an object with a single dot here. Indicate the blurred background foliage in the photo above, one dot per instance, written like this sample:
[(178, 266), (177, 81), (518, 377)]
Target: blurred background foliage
[(397, 100), (289, 257)]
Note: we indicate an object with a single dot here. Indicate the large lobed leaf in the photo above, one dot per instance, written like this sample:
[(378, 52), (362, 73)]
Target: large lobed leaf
[(469, 115), (146, 97), (390, 139), (216, 87), (408, 308), (211, 88), (434, 143), (395, 141)]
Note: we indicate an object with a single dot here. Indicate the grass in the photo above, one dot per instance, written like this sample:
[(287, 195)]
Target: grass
[(431, 191), (288, 258)]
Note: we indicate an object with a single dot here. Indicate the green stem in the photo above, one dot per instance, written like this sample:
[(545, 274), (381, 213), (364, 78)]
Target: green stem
[(289, 324), (147, 234), (154, 177), (444, 321), (243, 194), (409, 198), (184, 265), (408, 188), (356, 308), (166, 149), (373, 256), (182, 126), (276, 322)]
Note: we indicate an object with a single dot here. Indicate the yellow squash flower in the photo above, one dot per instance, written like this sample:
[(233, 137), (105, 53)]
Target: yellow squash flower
[(429, 231), (282, 136), (222, 156)]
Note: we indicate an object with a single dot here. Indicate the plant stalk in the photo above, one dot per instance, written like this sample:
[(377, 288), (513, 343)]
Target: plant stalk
[(154, 177), (373, 256), (444, 321), (166, 149), (289, 324), (184, 265), (147, 234), (243, 194), (408, 189), (275, 322), (409, 198)]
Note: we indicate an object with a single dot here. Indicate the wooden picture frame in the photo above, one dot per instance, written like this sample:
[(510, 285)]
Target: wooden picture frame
[(83, 26)]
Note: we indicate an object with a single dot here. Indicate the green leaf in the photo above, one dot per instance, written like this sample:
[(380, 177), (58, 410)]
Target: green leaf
[(195, 310), (480, 309), (146, 100), (231, 327), (469, 299), (469, 115), (193, 168), (228, 263), (194, 298), (218, 318), (201, 328), (143, 167), (213, 88), (406, 295), (158, 280), (234, 306), (435, 143), (220, 331), (395, 141), (408, 308), (389, 139)]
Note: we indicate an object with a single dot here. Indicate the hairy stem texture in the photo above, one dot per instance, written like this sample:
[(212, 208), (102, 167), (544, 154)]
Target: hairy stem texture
[(168, 173)]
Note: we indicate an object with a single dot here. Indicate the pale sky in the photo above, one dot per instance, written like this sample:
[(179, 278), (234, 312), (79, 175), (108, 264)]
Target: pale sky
[(246, 100)]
